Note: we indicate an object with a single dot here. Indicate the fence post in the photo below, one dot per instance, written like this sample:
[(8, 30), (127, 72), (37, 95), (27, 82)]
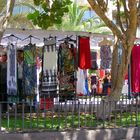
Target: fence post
[(23, 105), (79, 114), (8, 116), (15, 107), (103, 113)]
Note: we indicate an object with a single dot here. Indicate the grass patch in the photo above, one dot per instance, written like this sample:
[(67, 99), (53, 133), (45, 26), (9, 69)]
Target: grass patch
[(62, 121)]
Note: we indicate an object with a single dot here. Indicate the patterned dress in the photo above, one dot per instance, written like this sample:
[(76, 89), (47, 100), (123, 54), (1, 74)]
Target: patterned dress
[(11, 70), (29, 70), (66, 69), (106, 57)]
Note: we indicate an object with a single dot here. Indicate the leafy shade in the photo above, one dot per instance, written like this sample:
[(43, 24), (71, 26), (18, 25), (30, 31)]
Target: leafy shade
[(73, 20), (49, 15)]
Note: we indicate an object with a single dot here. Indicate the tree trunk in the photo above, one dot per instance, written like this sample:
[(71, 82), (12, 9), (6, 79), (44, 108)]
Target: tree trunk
[(4, 19), (118, 72), (126, 35)]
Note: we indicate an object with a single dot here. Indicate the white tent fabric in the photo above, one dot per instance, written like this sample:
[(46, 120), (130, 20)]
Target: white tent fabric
[(41, 34)]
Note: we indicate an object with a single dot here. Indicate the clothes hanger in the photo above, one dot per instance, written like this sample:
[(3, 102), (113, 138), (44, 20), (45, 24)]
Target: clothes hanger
[(30, 37), (50, 40), (68, 39), (11, 35)]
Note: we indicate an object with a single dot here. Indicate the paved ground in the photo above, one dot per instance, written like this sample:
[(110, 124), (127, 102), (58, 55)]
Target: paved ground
[(98, 134)]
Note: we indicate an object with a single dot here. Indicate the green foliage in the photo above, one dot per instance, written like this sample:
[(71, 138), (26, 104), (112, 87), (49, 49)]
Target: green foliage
[(73, 20), (2, 5), (76, 14), (49, 15)]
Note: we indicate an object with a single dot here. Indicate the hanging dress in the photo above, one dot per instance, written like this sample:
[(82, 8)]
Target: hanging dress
[(106, 57), (135, 69), (84, 55), (29, 70), (66, 70), (80, 84), (11, 72), (20, 74), (49, 78)]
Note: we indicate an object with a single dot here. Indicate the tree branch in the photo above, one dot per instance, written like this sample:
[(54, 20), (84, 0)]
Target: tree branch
[(102, 4), (107, 21), (138, 11), (126, 12), (131, 31), (119, 17), (5, 18)]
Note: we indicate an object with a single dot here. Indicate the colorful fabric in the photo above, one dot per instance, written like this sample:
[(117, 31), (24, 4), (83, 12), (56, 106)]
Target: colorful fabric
[(135, 69), (49, 79), (106, 57), (66, 58), (66, 69), (29, 70), (11, 70), (84, 53)]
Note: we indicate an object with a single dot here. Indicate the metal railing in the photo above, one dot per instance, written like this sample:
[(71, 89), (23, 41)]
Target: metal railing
[(71, 114)]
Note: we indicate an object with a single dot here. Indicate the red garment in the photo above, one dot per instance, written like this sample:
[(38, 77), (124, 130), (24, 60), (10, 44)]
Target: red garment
[(84, 53), (126, 76), (135, 69), (48, 103), (102, 74)]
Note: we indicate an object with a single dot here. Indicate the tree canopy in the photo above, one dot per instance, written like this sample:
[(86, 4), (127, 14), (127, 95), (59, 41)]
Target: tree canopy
[(50, 13)]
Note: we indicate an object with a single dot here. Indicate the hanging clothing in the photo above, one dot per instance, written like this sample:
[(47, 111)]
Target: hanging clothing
[(3, 83), (86, 87), (106, 57), (66, 70), (94, 82), (135, 69), (11, 70), (102, 73), (49, 79), (84, 53), (80, 84), (50, 57), (94, 65), (20, 74), (66, 58), (29, 70)]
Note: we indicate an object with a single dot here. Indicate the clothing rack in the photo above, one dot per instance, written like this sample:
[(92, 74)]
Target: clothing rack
[(11, 35), (67, 39), (30, 38)]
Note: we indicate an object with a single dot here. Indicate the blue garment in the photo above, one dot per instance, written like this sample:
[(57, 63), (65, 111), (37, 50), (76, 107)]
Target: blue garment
[(29, 70), (86, 90)]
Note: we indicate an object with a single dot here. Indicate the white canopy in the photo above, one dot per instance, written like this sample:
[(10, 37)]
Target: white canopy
[(41, 34)]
